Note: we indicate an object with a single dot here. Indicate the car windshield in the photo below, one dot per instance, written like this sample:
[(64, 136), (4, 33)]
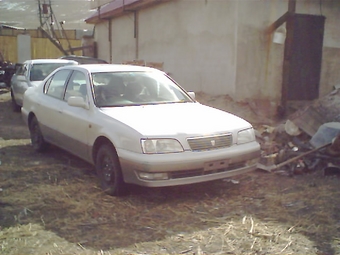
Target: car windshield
[(40, 71), (136, 88)]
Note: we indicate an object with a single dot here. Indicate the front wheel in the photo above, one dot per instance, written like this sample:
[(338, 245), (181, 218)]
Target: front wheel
[(37, 138), (109, 171)]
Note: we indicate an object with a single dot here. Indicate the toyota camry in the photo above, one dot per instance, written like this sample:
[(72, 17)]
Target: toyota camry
[(136, 125)]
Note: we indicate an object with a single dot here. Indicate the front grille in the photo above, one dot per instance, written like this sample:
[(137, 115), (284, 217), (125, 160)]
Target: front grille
[(201, 172), (210, 142)]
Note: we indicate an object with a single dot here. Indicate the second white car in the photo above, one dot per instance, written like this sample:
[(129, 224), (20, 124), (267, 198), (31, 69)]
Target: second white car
[(31, 73)]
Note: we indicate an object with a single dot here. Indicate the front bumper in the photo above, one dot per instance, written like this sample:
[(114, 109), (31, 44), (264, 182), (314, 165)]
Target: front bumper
[(189, 167)]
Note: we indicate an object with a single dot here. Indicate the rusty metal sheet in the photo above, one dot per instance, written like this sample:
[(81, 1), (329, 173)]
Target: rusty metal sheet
[(323, 110)]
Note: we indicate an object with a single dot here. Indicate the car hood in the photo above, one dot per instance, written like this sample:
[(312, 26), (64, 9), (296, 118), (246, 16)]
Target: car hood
[(176, 118)]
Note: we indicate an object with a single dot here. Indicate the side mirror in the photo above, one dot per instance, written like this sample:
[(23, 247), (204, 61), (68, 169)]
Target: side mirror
[(77, 102), (192, 94)]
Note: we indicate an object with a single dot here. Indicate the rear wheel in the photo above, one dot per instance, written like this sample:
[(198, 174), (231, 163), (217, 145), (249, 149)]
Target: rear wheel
[(37, 138), (109, 171)]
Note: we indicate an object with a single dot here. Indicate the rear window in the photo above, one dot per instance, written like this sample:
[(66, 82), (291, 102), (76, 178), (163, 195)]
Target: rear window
[(40, 71)]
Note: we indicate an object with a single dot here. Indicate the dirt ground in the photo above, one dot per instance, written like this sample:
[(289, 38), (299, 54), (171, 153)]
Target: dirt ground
[(51, 203)]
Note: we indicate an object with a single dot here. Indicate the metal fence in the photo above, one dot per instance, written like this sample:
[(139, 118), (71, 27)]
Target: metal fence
[(40, 48)]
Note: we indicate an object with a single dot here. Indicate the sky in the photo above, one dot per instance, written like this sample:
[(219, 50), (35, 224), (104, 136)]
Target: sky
[(25, 13)]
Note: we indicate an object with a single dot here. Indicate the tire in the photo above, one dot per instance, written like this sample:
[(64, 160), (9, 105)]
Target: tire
[(109, 171), (15, 106), (37, 138)]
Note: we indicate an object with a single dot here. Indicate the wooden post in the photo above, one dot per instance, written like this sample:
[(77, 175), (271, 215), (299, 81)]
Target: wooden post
[(287, 56)]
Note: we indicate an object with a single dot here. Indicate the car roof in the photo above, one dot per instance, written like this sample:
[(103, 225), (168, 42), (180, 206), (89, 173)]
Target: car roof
[(96, 68), (50, 60)]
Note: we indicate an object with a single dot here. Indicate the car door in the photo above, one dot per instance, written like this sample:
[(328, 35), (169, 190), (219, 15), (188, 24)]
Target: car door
[(75, 120), (50, 106)]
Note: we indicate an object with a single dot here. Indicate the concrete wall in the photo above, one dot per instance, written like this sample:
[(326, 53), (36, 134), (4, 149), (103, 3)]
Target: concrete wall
[(197, 47), (123, 39), (24, 47), (103, 42), (259, 60), (218, 47)]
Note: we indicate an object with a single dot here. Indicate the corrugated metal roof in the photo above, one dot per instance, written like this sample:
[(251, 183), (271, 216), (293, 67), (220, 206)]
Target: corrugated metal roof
[(118, 7)]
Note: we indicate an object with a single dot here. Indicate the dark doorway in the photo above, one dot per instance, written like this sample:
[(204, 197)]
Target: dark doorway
[(303, 55)]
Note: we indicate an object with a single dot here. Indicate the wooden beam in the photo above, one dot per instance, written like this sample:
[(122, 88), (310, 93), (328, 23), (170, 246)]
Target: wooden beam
[(80, 48), (291, 6), (278, 23), (287, 56)]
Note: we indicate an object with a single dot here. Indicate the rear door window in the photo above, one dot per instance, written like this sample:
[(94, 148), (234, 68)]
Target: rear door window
[(55, 86)]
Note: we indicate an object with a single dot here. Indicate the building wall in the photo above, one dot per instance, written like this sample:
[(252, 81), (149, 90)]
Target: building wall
[(218, 47), (196, 46), (123, 39), (102, 40), (259, 59)]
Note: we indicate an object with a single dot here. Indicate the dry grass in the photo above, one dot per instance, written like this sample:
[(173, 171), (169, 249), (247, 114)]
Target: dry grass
[(60, 210), (244, 236)]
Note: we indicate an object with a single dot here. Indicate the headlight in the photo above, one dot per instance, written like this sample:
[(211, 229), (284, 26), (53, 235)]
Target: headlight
[(154, 146), (246, 136)]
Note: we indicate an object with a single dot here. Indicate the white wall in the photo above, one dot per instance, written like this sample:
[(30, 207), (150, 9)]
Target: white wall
[(102, 40), (195, 44), (123, 40), (259, 60), (219, 47)]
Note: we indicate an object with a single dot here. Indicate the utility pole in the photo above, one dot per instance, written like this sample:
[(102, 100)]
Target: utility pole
[(48, 22)]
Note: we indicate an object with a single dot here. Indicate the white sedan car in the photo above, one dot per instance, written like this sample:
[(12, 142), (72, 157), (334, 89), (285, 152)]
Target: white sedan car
[(31, 73), (137, 125)]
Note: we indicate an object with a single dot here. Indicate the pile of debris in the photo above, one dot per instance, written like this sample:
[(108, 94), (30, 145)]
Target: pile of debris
[(309, 140)]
